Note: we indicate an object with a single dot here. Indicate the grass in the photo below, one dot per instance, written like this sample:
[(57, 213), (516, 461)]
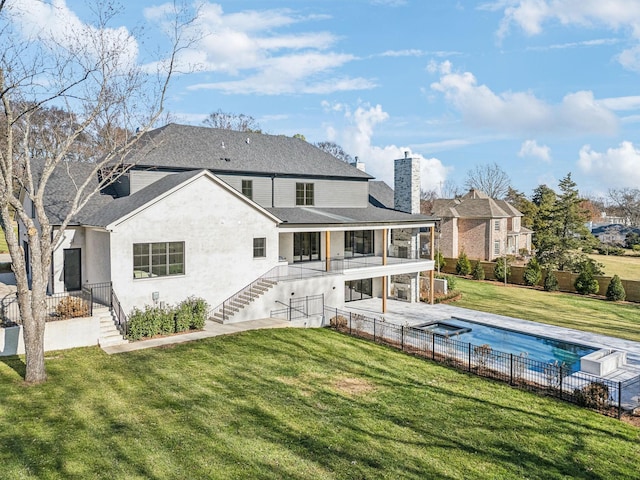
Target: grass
[(292, 404), (563, 309), (626, 267)]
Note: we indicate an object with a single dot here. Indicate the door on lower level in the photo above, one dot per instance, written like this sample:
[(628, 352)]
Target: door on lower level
[(72, 270), (358, 289)]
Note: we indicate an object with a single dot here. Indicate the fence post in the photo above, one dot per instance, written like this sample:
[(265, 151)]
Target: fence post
[(619, 400), (433, 347), (469, 345), (560, 381), (402, 337), (511, 369), (374, 329), (350, 323)]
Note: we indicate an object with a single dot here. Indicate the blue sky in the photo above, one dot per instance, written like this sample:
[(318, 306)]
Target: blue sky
[(541, 87)]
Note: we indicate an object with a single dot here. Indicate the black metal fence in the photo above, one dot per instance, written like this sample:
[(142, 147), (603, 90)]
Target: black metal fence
[(555, 379), (301, 308), (60, 306)]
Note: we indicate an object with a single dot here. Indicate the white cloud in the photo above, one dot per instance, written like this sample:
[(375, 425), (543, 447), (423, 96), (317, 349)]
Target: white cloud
[(616, 15), (617, 167), (521, 112), (55, 25), (250, 46), (530, 148), (357, 139)]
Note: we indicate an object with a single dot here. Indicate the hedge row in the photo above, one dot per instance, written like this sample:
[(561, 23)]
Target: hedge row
[(187, 315)]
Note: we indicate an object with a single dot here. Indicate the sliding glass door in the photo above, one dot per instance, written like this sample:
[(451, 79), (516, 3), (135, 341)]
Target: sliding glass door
[(306, 246)]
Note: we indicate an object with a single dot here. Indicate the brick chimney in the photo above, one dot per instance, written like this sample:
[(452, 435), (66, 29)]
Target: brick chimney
[(406, 189)]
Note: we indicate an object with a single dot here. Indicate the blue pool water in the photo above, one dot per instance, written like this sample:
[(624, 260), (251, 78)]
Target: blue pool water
[(541, 349)]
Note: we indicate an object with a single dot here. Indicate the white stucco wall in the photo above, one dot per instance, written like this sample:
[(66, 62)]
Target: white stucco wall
[(58, 335), (98, 264), (73, 237), (217, 227)]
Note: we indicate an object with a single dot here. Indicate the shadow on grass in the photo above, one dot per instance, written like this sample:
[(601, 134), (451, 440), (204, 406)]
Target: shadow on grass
[(16, 363)]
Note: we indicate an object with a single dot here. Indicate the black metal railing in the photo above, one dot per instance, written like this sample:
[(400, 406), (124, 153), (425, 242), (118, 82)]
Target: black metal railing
[(556, 379), (61, 306), (300, 308), (121, 317)]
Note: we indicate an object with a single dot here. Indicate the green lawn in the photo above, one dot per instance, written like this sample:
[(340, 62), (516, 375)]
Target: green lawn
[(563, 309), (292, 403), (626, 267)]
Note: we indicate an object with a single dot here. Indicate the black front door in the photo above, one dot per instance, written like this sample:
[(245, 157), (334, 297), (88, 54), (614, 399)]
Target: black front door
[(72, 270)]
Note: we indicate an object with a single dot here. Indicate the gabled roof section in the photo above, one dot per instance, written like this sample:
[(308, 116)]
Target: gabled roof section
[(226, 151), (475, 204), (122, 208)]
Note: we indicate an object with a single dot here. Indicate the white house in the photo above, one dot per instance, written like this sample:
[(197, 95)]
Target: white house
[(207, 212)]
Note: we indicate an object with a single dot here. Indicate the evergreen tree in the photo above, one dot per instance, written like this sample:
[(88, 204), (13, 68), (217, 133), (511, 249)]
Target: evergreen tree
[(525, 206), (615, 290), (532, 272), (463, 265), (502, 269), (585, 283), (439, 261), (559, 226), (551, 282), (478, 272)]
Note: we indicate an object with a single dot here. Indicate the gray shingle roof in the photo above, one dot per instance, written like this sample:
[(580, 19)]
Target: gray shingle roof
[(189, 147), (381, 194), (121, 207), (345, 216)]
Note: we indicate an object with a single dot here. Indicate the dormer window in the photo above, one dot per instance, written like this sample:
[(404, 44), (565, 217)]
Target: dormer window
[(304, 194)]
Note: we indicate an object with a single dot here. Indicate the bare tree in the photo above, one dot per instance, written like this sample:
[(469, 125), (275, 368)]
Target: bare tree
[(232, 121), (67, 101), (627, 203), (427, 197), (490, 179), (449, 189), (335, 150)]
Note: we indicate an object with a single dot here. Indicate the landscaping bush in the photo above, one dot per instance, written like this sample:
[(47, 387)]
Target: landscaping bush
[(199, 308), (190, 314), (551, 282), (586, 284), (502, 269), (72, 307), (463, 265), (610, 250), (451, 281), (595, 395), (478, 272), (532, 273), (439, 260), (615, 290)]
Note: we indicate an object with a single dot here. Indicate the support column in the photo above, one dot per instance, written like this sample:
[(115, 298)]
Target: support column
[(432, 249), (327, 250), (384, 262)]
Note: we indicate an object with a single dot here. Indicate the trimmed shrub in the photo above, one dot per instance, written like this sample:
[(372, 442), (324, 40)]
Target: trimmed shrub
[(532, 273), (439, 260), (478, 272), (551, 282), (183, 317), (595, 395), (463, 265), (615, 290), (189, 314), (199, 308), (502, 269), (451, 281), (586, 284), (142, 324), (72, 307)]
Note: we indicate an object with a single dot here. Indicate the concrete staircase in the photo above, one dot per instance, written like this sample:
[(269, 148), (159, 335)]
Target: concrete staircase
[(109, 333), (241, 299)]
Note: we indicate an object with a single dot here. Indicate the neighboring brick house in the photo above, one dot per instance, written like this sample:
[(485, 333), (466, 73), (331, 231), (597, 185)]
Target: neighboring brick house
[(480, 226)]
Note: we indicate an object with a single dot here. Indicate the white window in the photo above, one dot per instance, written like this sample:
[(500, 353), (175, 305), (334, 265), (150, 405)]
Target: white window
[(496, 225), (158, 259), (496, 247), (259, 247)]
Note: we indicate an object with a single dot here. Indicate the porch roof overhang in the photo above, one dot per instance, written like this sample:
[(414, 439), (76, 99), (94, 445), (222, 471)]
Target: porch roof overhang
[(309, 219)]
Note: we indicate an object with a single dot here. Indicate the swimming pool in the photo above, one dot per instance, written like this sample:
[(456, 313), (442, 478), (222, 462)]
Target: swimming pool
[(542, 349)]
